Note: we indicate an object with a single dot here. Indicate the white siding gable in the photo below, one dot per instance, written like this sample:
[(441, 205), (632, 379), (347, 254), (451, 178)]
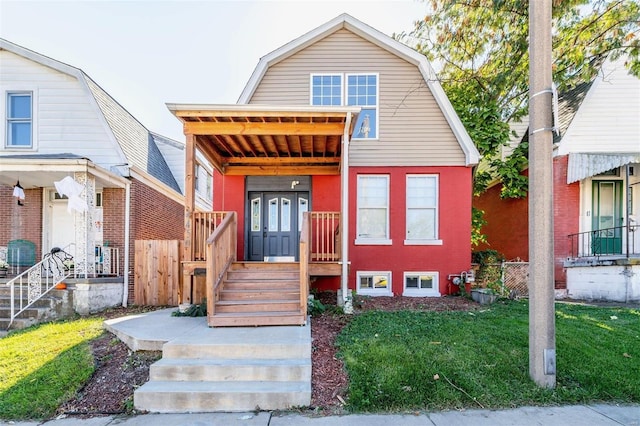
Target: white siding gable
[(608, 120), (66, 118)]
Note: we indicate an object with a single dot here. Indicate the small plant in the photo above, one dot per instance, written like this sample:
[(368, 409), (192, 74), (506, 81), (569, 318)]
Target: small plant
[(315, 306), (3, 264), (68, 263), (198, 310)]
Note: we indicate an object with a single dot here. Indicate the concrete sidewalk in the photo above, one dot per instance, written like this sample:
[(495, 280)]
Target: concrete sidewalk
[(584, 415)]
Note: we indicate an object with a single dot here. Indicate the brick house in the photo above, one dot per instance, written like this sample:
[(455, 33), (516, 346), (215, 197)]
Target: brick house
[(57, 123), (596, 191), (343, 138)]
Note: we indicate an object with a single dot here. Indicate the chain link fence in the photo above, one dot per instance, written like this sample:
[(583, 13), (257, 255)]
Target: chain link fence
[(509, 278), (515, 278)]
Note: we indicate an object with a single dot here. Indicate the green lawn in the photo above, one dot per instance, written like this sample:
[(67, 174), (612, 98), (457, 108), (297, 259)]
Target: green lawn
[(45, 365), (400, 361)]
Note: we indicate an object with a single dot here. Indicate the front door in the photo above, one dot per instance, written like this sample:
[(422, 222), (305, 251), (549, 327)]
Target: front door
[(607, 217), (275, 220)]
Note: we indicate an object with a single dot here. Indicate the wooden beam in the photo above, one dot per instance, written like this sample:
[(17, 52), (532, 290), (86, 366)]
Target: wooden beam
[(235, 161), (238, 113), (282, 170), (212, 155), (252, 128)]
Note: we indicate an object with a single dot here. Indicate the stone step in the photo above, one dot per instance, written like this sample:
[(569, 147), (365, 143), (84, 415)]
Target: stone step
[(247, 306), (274, 370), (181, 397)]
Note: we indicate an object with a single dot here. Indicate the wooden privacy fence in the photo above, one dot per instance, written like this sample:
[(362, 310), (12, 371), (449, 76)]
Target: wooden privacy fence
[(157, 274)]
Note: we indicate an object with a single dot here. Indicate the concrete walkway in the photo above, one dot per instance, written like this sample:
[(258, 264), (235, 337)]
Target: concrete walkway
[(583, 415)]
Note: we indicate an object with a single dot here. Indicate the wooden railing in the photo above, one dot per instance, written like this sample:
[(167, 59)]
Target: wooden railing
[(204, 224), (221, 253), (305, 255), (325, 238)]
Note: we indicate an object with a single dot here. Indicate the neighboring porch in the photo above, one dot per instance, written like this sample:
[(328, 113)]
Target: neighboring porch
[(284, 243), (605, 264)]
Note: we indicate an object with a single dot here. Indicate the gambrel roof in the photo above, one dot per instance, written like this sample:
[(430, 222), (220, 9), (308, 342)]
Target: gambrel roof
[(383, 41), (133, 142)]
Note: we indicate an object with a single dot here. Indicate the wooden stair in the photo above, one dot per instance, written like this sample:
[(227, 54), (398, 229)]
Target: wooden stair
[(256, 294)]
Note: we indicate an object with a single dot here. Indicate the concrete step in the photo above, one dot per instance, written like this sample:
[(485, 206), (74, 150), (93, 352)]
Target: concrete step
[(181, 397), (243, 343), (274, 370)]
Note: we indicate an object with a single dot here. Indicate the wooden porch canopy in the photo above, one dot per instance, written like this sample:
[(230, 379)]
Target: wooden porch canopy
[(268, 140)]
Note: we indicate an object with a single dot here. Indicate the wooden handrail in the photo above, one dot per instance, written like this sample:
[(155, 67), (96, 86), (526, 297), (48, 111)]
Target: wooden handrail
[(203, 225), (221, 253), (305, 254), (326, 242)]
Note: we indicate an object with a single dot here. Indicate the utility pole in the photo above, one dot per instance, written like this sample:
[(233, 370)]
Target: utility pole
[(542, 327)]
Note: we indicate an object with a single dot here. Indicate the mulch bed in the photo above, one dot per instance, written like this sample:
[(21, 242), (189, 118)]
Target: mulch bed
[(120, 371)]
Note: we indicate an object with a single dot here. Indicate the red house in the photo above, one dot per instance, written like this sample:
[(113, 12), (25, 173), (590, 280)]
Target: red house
[(344, 162), (596, 192)]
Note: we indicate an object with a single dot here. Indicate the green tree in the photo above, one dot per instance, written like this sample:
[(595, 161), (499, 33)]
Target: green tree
[(481, 50)]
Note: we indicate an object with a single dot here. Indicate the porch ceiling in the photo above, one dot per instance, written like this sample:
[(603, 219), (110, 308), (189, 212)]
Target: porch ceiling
[(264, 140)]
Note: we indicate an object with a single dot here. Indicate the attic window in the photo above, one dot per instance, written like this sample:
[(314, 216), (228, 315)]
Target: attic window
[(350, 90)]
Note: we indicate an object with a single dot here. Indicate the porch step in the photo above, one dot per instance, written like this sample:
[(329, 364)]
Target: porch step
[(224, 369), (272, 305), (205, 396), (256, 293), (50, 307), (241, 319)]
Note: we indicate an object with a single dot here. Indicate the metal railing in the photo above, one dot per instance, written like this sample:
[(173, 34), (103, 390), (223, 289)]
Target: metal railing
[(37, 281), (616, 241), (107, 261)]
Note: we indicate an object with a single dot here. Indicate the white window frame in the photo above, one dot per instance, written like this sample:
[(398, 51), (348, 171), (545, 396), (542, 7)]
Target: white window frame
[(373, 291), (420, 292), (364, 240), (344, 78), (418, 241), (4, 126)]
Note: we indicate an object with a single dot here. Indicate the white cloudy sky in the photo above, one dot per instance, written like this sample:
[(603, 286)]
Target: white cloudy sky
[(147, 53)]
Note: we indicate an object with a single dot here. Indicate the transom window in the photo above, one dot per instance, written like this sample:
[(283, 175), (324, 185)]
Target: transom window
[(422, 208), (373, 209), (374, 283), (361, 90), (421, 284), (19, 120)]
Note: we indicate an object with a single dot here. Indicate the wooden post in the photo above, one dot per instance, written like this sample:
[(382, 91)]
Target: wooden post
[(189, 208)]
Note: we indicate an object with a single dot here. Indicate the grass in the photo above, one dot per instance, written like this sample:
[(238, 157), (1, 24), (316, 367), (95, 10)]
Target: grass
[(405, 361), (45, 365)]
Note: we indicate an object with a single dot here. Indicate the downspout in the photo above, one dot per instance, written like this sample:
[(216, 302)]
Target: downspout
[(127, 243), (627, 203), (344, 216)]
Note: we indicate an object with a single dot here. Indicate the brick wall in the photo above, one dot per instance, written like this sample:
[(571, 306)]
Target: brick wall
[(153, 217), (21, 222), (113, 202), (566, 214)]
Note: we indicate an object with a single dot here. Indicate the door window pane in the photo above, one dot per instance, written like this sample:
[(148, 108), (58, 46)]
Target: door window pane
[(255, 215), (273, 215), (285, 215), (303, 207)]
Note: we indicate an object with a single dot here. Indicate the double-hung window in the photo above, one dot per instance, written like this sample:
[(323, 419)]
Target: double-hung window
[(19, 120), (422, 209), (350, 90), (373, 209)]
